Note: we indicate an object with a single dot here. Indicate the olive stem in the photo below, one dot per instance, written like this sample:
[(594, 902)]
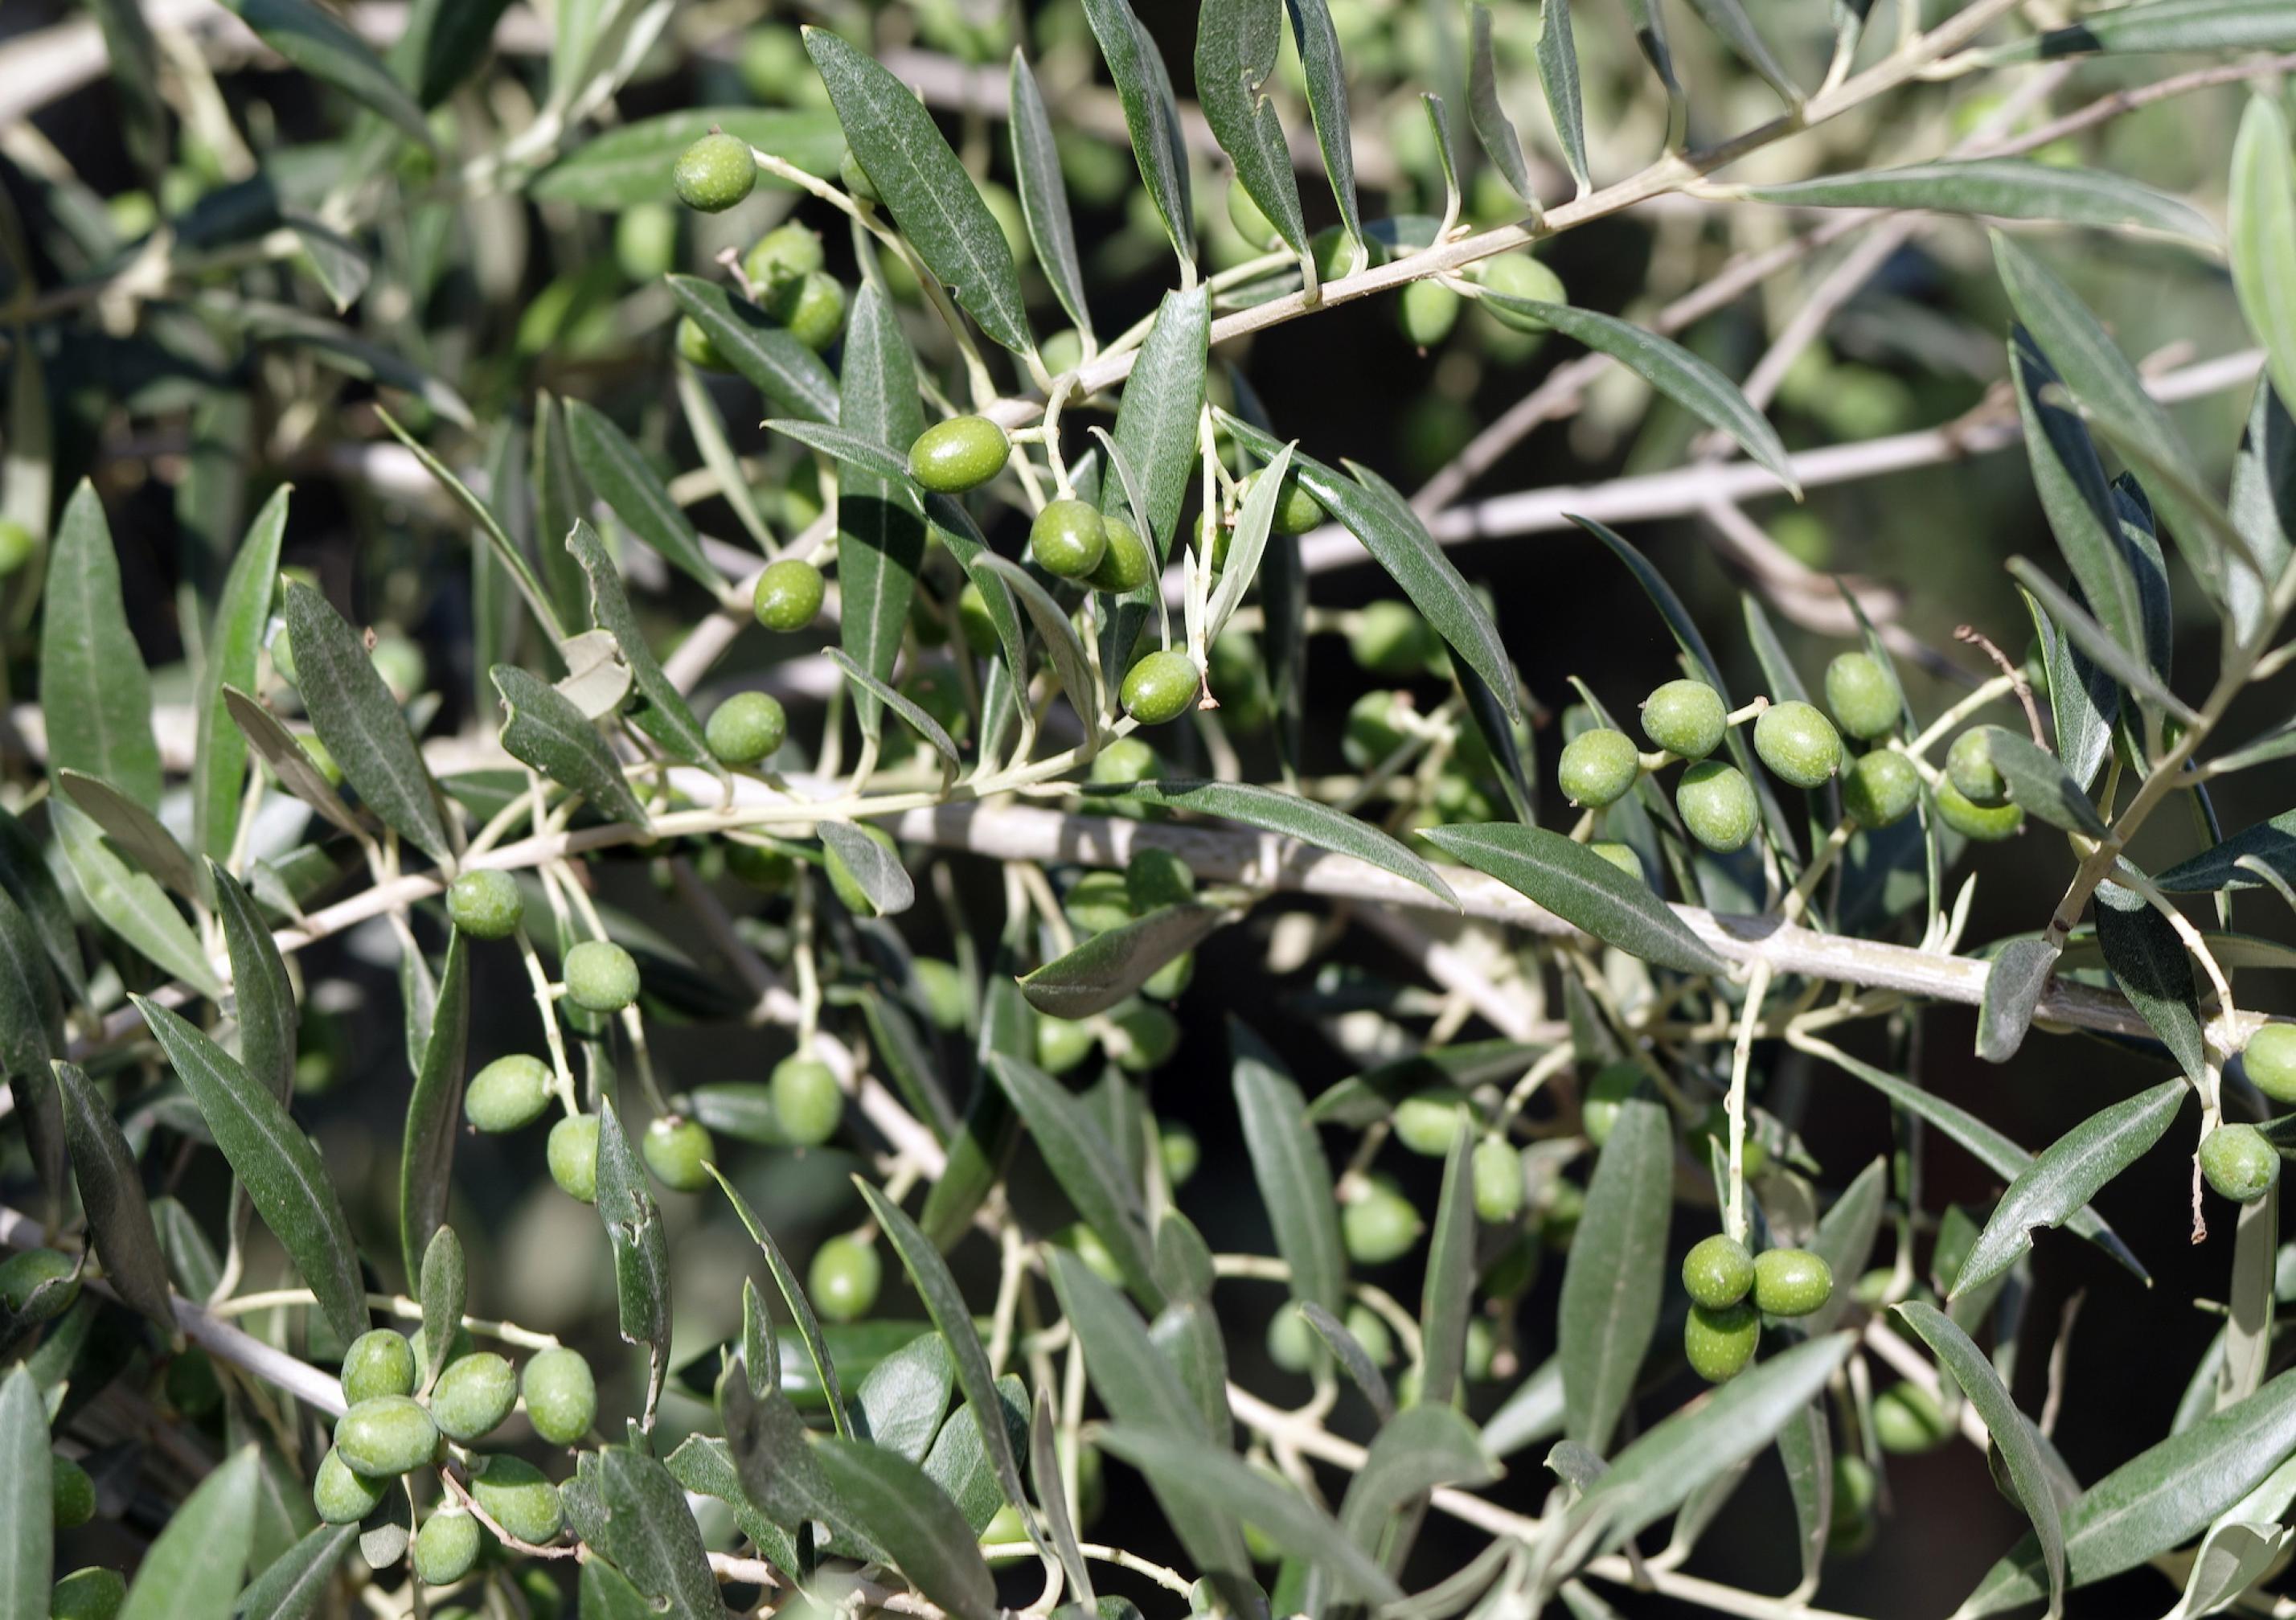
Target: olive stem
[(1758, 987), (561, 1072)]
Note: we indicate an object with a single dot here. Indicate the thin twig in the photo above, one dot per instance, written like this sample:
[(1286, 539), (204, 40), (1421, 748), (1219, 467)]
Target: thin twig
[(1976, 637)]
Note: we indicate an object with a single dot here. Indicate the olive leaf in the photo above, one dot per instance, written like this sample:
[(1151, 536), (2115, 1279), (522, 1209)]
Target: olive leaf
[(242, 610), (199, 1560), (1044, 197), (617, 470), (543, 728), (1151, 116), (1582, 888), (322, 45), (623, 167), (112, 1192), (1238, 45), (1086, 1169), (1616, 1273), (1294, 1177), (1157, 419), (434, 1108), (95, 696), (356, 715), (661, 711), (1492, 129), (1112, 965), (2263, 229), (792, 378)]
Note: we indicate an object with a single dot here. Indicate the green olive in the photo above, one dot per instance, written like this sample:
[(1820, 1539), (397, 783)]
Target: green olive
[(2240, 1162), (23, 1275), (517, 1496), (573, 1152), (1861, 695), (1181, 1153), (808, 1103), (696, 348), (71, 1492), (1685, 718), (18, 544), (1292, 1344), (1098, 901), (509, 1094), (1496, 1171), (960, 454), (473, 1395), (1160, 687), (1380, 1225), (1389, 638), (1985, 824), (1427, 312), (1717, 804), (447, 1547), (485, 904), (1519, 275), (715, 173), (385, 1437), (93, 1594), (1598, 768), (1250, 221), (1798, 743), (676, 1149), (601, 976), (1881, 788), (1717, 1271), (1791, 1282), (1296, 511), (1424, 1122), (560, 1395), (379, 1363), (1969, 765), (746, 727), (1069, 538), (1718, 1344), (844, 1277), (787, 254), (789, 595), (1157, 877), (1907, 1420), (2269, 1059), (1126, 564), (1151, 1035), (811, 309), (341, 1496), (1598, 1111)]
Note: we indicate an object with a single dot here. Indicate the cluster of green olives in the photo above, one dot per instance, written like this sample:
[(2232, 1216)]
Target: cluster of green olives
[(1732, 1289), (785, 274), (1138, 1035), (396, 1422), (1425, 1121), (1292, 1344), (2240, 1161)]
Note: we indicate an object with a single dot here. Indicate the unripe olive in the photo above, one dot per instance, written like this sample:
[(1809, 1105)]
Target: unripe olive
[(1985, 824), (856, 178), (560, 1395), (788, 596), (1791, 1282), (960, 454), (715, 173), (1005, 1528), (1685, 718), (1390, 638), (1088, 1248), (1717, 804), (16, 544), (1370, 1329), (811, 310), (1250, 222), (1098, 901), (2270, 1060), (1381, 1225), (601, 976), (1482, 1349), (1371, 732), (1424, 1121), (517, 1496), (1062, 1044), (807, 1101), (746, 727), (379, 1363), (1621, 855), (645, 241), (1497, 1174), (509, 1094), (842, 883), (1717, 1271), (485, 904), (1157, 877), (1907, 1420), (93, 1594), (1798, 743), (696, 348), (787, 254), (844, 1277), (1598, 1109), (1296, 511), (1519, 275), (1598, 768), (385, 1437), (342, 1496), (71, 1492), (1068, 539), (1063, 352), (473, 1396), (1428, 311), (1718, 1344), (973, 622), (573, 1152), (1292, 1344), (2239, 1163), (401, 664), (1854, 1488), (1969, 765), (1181, 1153), (1881, 788), (447, 1547), (1861, 695), (1336, 254), (676, 1149), (1125, 561), (1160, 687), (1151, 1035), (23, 1275)]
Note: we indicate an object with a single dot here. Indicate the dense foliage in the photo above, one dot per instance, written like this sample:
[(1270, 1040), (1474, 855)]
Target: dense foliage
[(692, 918)]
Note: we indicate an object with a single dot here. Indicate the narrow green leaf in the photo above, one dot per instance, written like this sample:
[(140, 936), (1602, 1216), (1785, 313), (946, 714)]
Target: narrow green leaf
[(1616, 1274), (1238, 45), (625, 1504), (924, 187), (2263, 215), (1045, 1468), (929, 729), (443, 1285), (2098, 643), (27, 1497), (553, 467), (2012, 989), (2162, 26), (112, 1192), (94, 696), (434, 1110), (628, 166), (617, 470), (2263, 499), (792, 378), (2040, 784), (2020, 1447), (283, 1175), (1248, 543), (263, 1000), (1086, 1169), (634, 1231), (2068, 1173), (1150, 118), (1558, 77), (1112, 965), (219, 752), (196, 1565), (541, 728), (1053, 628), (915, 1522), (881, 544), (1157, 418), (661, 708), (1582, 888), (325, 48), (359, 721), (958, 1462), (295, 1581), (289, 763), (1451, 1285), (1426, 1446), (135, 831), (2271, 843), (128, 903), (801, 1308), (2075, 499), (705, 1465), (1294, 1177), (877, 869), (2000, 188), (1493, 130), (26, 878), (2161, 1498), (31, 1015), (2083, 699), (2149, 964), (341, 349), (1318, 42), (1729, 21), (1043, 196)]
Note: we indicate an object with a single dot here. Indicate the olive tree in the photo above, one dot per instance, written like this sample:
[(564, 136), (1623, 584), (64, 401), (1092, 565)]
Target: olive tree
[(607, 574)]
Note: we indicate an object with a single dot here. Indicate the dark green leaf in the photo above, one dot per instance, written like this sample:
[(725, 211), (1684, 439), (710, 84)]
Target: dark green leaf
[(1728, 19), (1053, 627), (2001, 188), (1088, 1168), (2083, 699), (1113, 963), (295, 1583), (1150, 116), (444, 1289), (1318, 43), (2162, 26), (801, 1308), (1582, 888), (2096, 641), (31, 1018), (617, 470), (880, 529), (629, 166), (135, 831), (1558, 76), (2040, 784), (434, 1110), (1352, 1357), (26, 878), (543, 728), (27, 1497), (112, 1192), (924, 187), (2149, 964), (1290, 815), (1451, 1286), (196, 1565), (634, 1231), (262, 1000), (2271, 843), (283, 1175), (323, 46), (284, 752), (625, 1504), (95, 697), (2077, 499), (1616, 1276), (1844, 1241), (1238, 45), (959, 1464), (1044, 198), (1157, 419), (661, 708), (359, 721), (1492, 129), (792, 378), (2068, 1173), (1294, 1177), (1426, 1446), (2013, 990), (1045, 1468), (915, 1522), (219, 752), (128, 903), (705, 1466), (902, 1400)]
